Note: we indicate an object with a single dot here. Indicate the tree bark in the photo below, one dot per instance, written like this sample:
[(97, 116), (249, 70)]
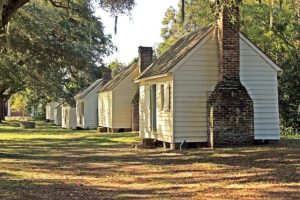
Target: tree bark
[(9, 9), (2, 108), (4, 96)]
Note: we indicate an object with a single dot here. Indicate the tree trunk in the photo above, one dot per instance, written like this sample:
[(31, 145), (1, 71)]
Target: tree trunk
[(8, 9), (2, 109), (271, 14)]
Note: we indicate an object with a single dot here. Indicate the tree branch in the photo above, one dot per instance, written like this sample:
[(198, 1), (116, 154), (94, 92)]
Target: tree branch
[(9, 9), (60, 4)]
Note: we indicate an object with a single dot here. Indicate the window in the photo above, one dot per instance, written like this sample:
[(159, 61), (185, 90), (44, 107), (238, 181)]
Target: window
[(168, 97), (153, 107), (162, 97), (165, 95)]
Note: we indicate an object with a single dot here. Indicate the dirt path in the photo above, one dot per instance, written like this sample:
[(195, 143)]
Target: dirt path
[(103, 167)]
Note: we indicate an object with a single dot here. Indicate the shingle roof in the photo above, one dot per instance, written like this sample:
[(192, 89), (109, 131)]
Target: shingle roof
[(89, 89), (116, 80), (171, 57)]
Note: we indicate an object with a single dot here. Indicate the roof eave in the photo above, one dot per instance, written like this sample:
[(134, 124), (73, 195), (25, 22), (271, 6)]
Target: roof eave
[(77, 97), (152, 77), (149, 67), (129, 70), (201, 41), (262, 54)]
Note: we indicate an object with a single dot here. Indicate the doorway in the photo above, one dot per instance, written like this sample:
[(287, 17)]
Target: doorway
[(153, 113)]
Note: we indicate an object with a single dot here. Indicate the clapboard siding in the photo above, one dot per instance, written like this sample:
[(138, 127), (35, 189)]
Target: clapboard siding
[(57, 116), (122, 97), (79, 114), (90, 111), (105, 109), (114, 106), (192, 81), (90, 115), (68, 117), (199, 74), (53, 106), (260, 79), (164, 130), (50, 110)]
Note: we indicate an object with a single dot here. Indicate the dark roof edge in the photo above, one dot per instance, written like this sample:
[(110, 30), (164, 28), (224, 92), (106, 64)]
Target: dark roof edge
[(269, 57), (127, 70), (211, 28), (88, 89)]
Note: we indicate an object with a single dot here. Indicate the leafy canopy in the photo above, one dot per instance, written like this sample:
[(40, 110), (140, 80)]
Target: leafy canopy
[(52, 53)]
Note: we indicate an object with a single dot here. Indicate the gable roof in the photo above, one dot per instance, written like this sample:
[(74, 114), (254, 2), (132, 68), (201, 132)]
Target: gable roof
[(118, 79), (89, 89), (179, 50), (183, 46)]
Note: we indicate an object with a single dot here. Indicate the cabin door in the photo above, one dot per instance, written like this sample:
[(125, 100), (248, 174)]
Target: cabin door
[(153, 114)]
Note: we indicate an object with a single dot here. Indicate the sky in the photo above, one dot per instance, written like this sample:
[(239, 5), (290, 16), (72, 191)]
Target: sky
[(142, 28)]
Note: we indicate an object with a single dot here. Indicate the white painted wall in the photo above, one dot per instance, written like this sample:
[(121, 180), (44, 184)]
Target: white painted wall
[(53, 106), (260, 80), (105, 109), (115, 105), (91, 111), (122, 96), (68, 117), (9, 107), (50, 110), (90, 115), (58, 116), (79, 113), (194, 79), (164, 121)]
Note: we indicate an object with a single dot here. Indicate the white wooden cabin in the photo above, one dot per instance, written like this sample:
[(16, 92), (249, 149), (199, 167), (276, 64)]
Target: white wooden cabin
[(175, 88), (68, 116), (86, 106), (58, 115), (114, 100), (50, 111), (8, 108)]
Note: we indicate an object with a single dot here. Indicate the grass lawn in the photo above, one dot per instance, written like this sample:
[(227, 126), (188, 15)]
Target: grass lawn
[(52, 163)]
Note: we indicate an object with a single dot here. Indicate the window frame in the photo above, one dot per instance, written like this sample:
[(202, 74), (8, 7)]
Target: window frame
[(162, 97)]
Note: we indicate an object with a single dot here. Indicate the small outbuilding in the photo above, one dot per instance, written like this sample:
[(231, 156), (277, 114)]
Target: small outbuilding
[(68, 116), (187, 96), (50, 111), (58, 114), (86, 106), (115, 100)]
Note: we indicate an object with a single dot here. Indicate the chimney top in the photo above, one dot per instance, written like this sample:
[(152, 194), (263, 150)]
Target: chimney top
[(145, 49), (106, 74), (229, 43), (145, 57)]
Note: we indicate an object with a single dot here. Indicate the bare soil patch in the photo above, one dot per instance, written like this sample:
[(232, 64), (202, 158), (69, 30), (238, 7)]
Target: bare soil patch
[(50, 163)]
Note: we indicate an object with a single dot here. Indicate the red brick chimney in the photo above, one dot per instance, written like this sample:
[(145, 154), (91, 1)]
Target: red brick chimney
[(145, 58), (229, 43), (230, 108)]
